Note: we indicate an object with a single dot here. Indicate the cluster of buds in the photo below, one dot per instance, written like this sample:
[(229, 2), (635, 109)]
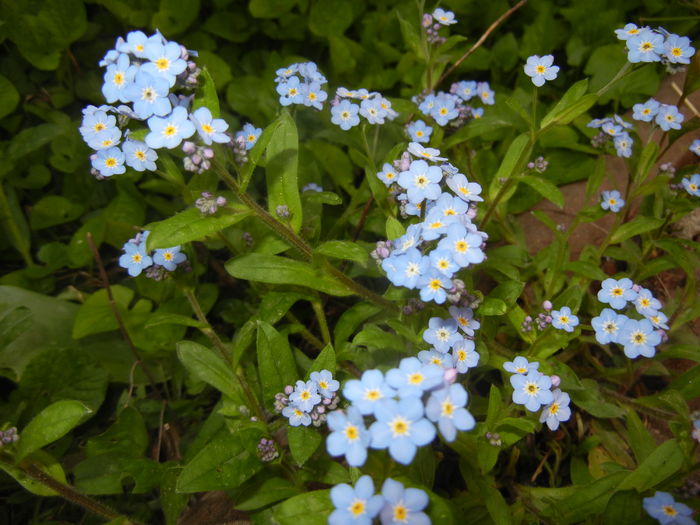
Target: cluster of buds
[(8, 436), (191, 73), (197, 157), (543, 319), (494, 439), (209, 203), (539, 165), (240, 150), (382, 251), (413, 305), (431, 30), (667, 169), (267, 450)]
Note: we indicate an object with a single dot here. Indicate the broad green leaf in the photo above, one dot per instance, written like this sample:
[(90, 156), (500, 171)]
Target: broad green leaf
[(646, 160), (394, 229), (275, 304), (324, 361), (270, 8), (351, 319), (171, 502), (9, 97), (174, 16), (127, 436), (224, 463), (545, 188), (495, 503), (568, 106), (665, 461), (281, 170), (31, 139), (158, 319), (492, 306), (206, 94), (268, 491), (586, 269), (640, 440), (44, 462), (636, 226), (518, 150), (191, 225), (96, 315), (53, 210), (107, 473), (303, 442), (52, 423), (282, 270), (311, 508), (330, 17), (208, 366), (343, 250), (494, 408), (276, 365)]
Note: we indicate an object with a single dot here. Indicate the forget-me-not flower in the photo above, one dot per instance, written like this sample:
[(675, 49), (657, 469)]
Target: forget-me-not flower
[(365, 393), (692, 184), (109, 162), (419, 131), (678, 49), (169, 131), (532, 390), (210, 129), (616, 293), (611, 200), (327, 386), (558, 410), (647, 111), (348, 436), (345, 115), (446, 408), (412, 377), (139, 156), (645, 46), (607, 326), (135, 259), (520, 365), (441, 333), (639, 338), (563, 319), (541, 69), (465, 319), (402, 505), (388, 174), (169, 258), (356, 505), (666, 510), (464, 356), (421, 181), (401, 427), (668, 117), (250, 135), (305, 395)]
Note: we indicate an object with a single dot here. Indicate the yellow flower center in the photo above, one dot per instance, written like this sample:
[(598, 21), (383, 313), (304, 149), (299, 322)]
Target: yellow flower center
[(540, 69), (563, 319), (669, 510), (416, 378), (322, 385), (169, 130), (139, 47), (345, 115), (312, 96), (435, 284), (99, 127), (107, 142), (373, 394), (419, 134), (163, 64), (521, 370), (140, 154), (554, 408), (148, 94), (461, 355), (118, 78), (136, 258), (292, 92), (447, 408), (305, 395), (617, 292), (443, 111), (400, 426), (357, 507), (421, 181), (531, 389), (207, 128), (646, 47), (461, 246), (639, 338), (110, 162), (351, 432), (676, 51), (168, 256)]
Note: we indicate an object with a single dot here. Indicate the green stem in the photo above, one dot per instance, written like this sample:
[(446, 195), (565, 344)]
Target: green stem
[(533, 128), (361, 290), (492, 206), (322, 322), (15, 233), (624, 70), (370, 156), (305, 333)]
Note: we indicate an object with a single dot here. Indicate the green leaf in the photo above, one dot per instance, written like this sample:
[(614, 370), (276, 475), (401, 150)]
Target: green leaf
[(53, 210), (174, 16), (206, 365), (281, 270), (206, 95), (44, 462), (636, 226), (567, 109), (171, 502), (95, 314), (647, 159), (640, 440), (394, 228), (270, 8), (31, 139), (330, 17), (665, 461), (303, 442), (518, 150), (545, 188), (265, 493), (224, 463), (159, 319), (311, 508), (324, 361), (9, 97), (492, 306), (276, 365), (281, 170), (494, 408), (191, 225), (343, 250), (52, 423), (127, 436)]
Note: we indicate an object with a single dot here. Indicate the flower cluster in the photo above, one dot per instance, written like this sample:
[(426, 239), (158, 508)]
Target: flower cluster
[(8, 436), (209, 203), (563, 319), (692, 184), (373, 107), (645, 44), (433, 23), (540, 69), (452, 108), (452, 341), (432, 251), (613, 128), (611, 200), (396, 504), (532, 388), (140, 73), (666, 510), (543, 319), (406, 403), (666, 116), (637, 336), (301, 84), (307, 401), (136, 259)]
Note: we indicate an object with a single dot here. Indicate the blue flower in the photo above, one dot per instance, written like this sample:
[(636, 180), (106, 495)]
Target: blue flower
[(169, 258), (443, 17), (485, 93), (442, 261), (139, 156), (450, 207), (532, 390), (442, 333), (210, 129), (348, 436), (667, 511), (106, 139), (409, 240), (405, 270), (446, 408), (612, 200), (464, 245), (647, 111), (645, 303), (465, 190), (444, 109), (419, 131), (433, 286), (669, 117), (165, 60), (558, 410), (325, 383), (464, 356), (355, 506), (616, 293), (692, 184), (465, 319), (421, 181), (388, 174), (372, 110), (623, 145), (168, 132), (629, 31), (296, 416), (607, 326), (117, 78), (250, 135), (135, 259), (412, 377), (520, 365), (135, 44), (435, 224), (109, 162), (427, 104), (433, 357), (424, 153), (659, 320), (365, 393), (403, 506), (639, 338), (465, 89), (541, 69), (695, 147), (313, 95), (563, 319), (95, 122), (401, 428), (646, 46), (305, 395), (345, 115), (149, 95), (678, 49), (291, 92)]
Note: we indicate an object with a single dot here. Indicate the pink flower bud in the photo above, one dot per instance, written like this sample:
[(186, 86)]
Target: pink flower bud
[(450, 375), (556, 380)]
